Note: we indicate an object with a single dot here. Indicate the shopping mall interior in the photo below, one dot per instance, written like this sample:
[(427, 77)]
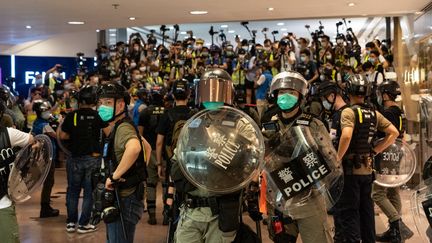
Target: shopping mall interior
[(57, 49)]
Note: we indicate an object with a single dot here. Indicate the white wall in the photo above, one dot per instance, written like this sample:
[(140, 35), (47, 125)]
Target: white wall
[(64, 45)]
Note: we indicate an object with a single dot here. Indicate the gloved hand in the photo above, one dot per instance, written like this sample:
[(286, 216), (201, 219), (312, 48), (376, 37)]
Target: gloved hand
[(253, 209)]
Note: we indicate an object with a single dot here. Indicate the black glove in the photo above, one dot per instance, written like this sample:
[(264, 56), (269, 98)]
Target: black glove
[(253, 209)]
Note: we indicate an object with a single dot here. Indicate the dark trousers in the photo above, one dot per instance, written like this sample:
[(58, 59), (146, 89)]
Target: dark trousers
[(354, 213), (47, 186), (132, 210), (79, 175)]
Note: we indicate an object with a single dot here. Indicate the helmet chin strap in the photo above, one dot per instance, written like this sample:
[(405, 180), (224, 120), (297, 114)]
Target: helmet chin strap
[(114, 111)]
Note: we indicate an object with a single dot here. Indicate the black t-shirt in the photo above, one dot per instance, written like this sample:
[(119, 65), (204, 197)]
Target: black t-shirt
[(395, 115), (169, 119), (149, 119), (83, 127)]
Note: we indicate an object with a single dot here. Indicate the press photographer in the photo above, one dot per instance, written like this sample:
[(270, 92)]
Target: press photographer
[(125, 153)]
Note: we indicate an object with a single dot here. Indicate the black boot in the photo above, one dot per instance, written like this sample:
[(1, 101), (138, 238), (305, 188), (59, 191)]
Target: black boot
[(152, 219), (391, 235), (405, 232), (47, 211)]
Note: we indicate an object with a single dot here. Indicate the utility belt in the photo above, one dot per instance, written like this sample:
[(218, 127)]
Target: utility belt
[(355, 161), (201, 202), (227, 207)]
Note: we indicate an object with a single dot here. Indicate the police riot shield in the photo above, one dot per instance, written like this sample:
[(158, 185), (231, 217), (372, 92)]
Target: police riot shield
[(63, 144), (30, 168), (220, 150), (421, 210), (395, 165), (301, 171)]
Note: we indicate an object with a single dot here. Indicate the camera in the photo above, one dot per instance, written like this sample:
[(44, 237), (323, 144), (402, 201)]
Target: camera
[(104, 205), (110, 212)]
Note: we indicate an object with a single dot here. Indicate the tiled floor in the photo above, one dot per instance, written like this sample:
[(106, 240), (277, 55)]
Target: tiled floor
[(52, 230)]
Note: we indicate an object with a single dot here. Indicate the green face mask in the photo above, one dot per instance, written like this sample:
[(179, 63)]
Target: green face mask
[(287, 101), (212, 105), (106, 112)]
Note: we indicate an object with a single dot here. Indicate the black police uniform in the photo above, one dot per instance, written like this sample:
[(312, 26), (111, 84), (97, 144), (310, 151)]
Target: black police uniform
[(149, 120)]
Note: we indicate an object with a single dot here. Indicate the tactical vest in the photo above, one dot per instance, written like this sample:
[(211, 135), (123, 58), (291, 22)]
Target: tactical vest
[(364, 130), (137, 173), (38, 126), (7, 157), (155, 113)]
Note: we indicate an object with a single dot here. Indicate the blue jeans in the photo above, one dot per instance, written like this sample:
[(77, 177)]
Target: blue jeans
[(79, 175), (132, 209)]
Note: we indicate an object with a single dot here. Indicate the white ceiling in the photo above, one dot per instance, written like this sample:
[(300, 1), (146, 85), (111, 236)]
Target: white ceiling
[(50, 17)]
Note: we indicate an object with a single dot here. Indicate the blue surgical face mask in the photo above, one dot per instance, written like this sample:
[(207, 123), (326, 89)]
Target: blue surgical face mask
[(372, 60), (106, 112), (212, 105), (287, 101), (303, 59)]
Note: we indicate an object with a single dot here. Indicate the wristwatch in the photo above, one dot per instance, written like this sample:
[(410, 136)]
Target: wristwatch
[(112, 179)]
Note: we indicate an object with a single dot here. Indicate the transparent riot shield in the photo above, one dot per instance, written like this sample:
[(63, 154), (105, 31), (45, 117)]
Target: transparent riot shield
[(63, 144), (301, 171), (30, 168), (421, 210), (396, 165), (221, 150)]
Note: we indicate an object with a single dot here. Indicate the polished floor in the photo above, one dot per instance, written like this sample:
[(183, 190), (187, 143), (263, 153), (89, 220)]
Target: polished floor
[(52, 230)]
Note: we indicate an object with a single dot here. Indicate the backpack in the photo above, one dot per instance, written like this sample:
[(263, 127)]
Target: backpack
[(179, 120)]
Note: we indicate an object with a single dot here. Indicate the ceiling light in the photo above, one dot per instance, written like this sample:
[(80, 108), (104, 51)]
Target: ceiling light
[(280, 24), (419, 12), (198, 12), (231, 31), (28, 27), (76, 22), (351, 4), (224, 26), (284, 29), (98, 30), (183, 32), (132, 18), (113, 35), (430, 27), (270, 9)]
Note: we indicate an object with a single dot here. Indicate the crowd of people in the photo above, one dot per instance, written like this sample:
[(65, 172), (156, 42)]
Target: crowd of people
[(142, 93)]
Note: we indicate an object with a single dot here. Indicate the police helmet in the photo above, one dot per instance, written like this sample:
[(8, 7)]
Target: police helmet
[(240, 97), (180, 89), (389, 87), (215, 85), (40, 106), (358, 85), (327, 87), (87, 95), (157, 94), (113, 90), (289, 80), (142, 94)]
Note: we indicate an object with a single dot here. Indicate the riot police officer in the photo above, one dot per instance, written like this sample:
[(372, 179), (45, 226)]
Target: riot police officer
[(82, 127), (309, 218), (204, 216), (388, 199), (41, 126), (10, 138), (148, 121), (359, 124)]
